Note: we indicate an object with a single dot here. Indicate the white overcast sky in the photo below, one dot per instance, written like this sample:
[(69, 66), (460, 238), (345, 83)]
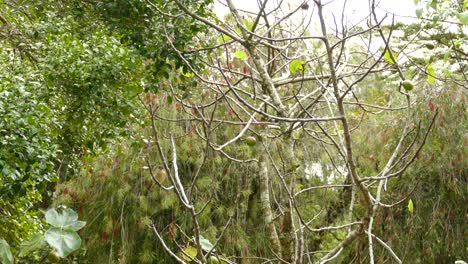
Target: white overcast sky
[(355, 10)]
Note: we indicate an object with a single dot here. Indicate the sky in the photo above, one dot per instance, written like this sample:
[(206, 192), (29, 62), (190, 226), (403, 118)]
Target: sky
[(355, 11)]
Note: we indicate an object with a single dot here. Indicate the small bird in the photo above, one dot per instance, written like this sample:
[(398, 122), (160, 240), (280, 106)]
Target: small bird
[(305, 6), (160, 174)]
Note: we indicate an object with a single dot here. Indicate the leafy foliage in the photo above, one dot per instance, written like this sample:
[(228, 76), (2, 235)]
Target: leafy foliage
[(5, 252), (28, 148), (69, 86), (61, 236)]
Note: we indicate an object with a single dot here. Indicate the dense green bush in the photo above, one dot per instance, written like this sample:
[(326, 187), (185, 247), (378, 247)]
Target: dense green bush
[(28, 147)]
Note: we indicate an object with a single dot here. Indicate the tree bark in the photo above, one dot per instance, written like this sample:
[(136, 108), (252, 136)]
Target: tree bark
[(266, 204)]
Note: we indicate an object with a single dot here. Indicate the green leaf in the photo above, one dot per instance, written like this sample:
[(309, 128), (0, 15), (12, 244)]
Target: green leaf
[(65, 241), (169, 99), (419, 12), (186, 74), (410, 206), (432, 3), (430, 74), (5, 253), (224, 38), (206, 244), (240, 54), (296, 65), (465, 4), (388, 58), (33, 243), (68, 219), (191, 251), (248, 24), (463, 17)]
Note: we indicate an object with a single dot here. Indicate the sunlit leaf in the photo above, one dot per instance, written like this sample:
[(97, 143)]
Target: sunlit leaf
[(296, 65), (224, 38), (248, 24), (463, 17), (5, 253), (190, 251), (410, 206), (388, 58), (240, 54), (186, 74), (430, 74), (419, 12), (465, 4)]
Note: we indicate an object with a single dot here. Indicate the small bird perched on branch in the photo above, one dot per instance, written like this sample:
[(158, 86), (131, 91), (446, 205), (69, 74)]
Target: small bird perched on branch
[(160, 174)]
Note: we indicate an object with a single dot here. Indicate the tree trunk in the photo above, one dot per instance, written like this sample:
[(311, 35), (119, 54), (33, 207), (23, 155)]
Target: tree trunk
[(288, 232), (266, 204)]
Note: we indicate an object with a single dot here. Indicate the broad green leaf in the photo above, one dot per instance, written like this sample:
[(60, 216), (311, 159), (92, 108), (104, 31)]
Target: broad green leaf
[(248, 24), (191, 251), (465, 4), (33, 243), (5, 253), (240, 54), (410, 206), (430, 74), (169, 99), (67, 219), (58, 220), (419, 12), (463, 17), (206, 244), (63, 240), (296, 65), (224, 38), (432, 3), (388, 58)]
